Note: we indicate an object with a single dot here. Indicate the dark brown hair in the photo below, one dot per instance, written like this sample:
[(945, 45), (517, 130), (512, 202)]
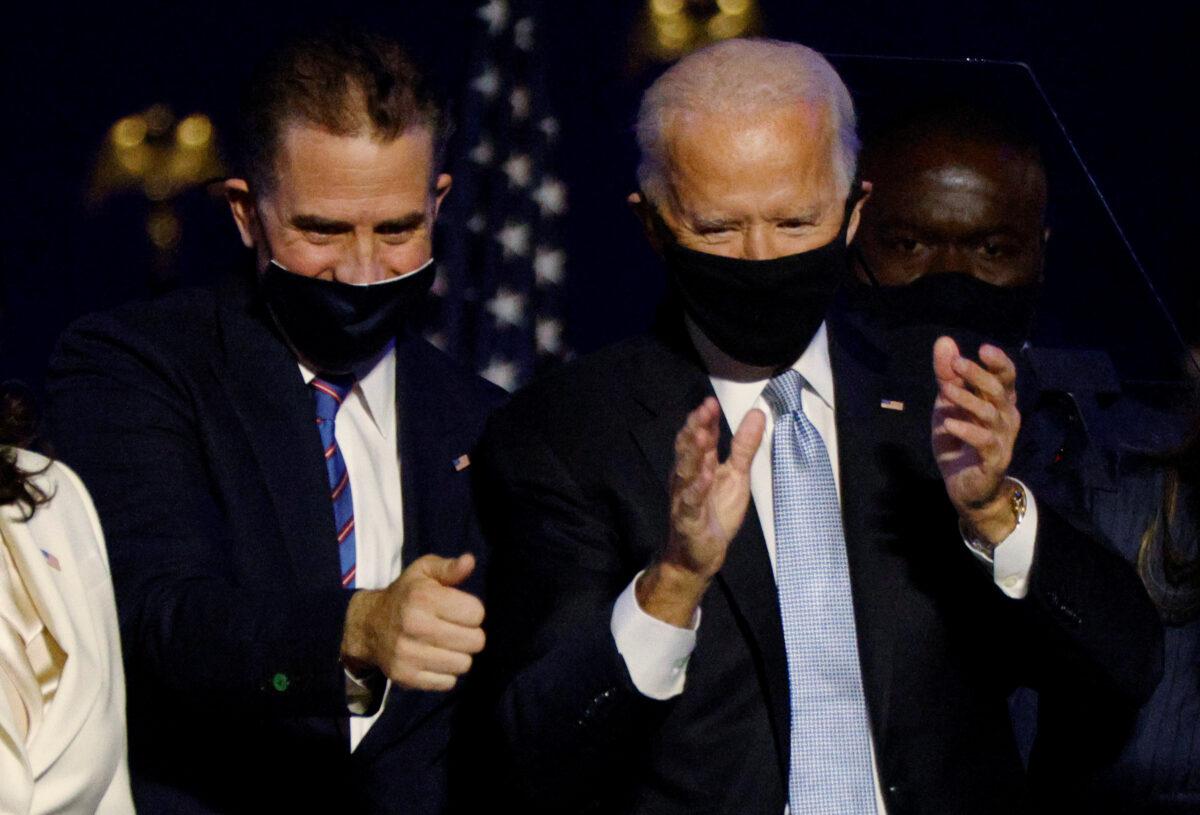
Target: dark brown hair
[(17, 424), (346, 81)]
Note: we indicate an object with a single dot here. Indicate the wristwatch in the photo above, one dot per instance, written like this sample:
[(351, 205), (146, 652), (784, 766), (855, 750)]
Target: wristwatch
[(1016, 502)]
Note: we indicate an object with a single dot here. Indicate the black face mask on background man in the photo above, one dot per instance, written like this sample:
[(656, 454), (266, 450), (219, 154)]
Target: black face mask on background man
[(952, 301), (759, 312), (335, 327)]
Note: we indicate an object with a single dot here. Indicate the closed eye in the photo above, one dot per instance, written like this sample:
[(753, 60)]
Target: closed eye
[(794, 223), (314, 225)]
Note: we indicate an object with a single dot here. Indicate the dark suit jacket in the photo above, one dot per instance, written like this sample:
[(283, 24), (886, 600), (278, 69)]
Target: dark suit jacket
[(575, 474), (191, 424)]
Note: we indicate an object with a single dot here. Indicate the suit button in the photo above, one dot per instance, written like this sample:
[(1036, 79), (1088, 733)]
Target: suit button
[(896, 800)]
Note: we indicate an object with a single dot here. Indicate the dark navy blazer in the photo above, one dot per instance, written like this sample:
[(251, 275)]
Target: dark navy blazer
[(575, 473), (190, 423)]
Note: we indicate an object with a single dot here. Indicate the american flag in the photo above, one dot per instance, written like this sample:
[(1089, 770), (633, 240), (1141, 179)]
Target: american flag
[(501, 264)]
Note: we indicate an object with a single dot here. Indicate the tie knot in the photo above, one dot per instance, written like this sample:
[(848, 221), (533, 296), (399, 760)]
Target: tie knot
[(329, 393), (783, 392)]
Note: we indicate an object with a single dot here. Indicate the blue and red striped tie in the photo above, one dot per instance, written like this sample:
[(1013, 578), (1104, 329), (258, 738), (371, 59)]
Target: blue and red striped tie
[(329, 394)]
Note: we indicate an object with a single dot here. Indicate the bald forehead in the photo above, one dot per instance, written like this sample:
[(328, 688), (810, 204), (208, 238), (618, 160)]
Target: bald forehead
[(953, 162), (772, 140)]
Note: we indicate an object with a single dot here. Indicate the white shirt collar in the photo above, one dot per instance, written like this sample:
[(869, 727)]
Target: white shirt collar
[(376, 387), (738, 385)]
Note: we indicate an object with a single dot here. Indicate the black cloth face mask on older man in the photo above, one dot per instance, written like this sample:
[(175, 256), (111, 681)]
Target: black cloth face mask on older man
[(759, 312), (334, 326)]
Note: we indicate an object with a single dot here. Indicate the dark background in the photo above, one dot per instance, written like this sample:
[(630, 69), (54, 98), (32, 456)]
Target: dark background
[(1115, 74)]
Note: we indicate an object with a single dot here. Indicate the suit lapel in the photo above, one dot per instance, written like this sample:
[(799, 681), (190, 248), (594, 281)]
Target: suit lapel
[(873, 440), (670, 382), (431, 434), (276, 410)]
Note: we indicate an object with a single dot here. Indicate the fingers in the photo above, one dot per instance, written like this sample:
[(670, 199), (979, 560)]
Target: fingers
[(697, 436), (984, 382), (982, 439), (694, 493), (413, 657), (446, 571), (431, 633), (421, 592), (945, 353), (746, 441), (1000, 365), (429, 627), (424, 680), (967, 402)]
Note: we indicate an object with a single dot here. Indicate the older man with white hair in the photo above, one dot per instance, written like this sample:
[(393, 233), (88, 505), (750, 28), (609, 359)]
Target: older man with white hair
[(689, 619)]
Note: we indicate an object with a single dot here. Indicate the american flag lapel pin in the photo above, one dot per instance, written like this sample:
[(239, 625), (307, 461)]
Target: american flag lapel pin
[(461, 463), (52, 560), (891, 404)]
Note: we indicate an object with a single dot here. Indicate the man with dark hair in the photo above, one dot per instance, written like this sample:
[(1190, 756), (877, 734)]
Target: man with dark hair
[(281, 468)]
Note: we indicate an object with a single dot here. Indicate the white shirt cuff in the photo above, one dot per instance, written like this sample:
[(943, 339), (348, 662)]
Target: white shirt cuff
[(1011, 560), (656, 653), (358, 694)]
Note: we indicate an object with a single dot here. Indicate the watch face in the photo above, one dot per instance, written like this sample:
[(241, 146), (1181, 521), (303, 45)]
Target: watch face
[(1018, 502)]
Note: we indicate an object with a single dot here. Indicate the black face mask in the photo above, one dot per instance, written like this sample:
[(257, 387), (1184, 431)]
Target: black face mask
[(760, 312), (949, 302), (335, 327)]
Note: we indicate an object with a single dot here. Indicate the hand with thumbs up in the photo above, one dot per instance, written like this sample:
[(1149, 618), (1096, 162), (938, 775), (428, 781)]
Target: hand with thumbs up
[(421, 631)]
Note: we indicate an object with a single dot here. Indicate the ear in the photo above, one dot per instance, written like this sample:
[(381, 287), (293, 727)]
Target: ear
[(440, 190), (648, 217), (856, 213), (245, 213)]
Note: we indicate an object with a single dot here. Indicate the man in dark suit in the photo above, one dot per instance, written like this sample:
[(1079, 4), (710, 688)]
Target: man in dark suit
[(281, 469), (686, 617), (952, 242)]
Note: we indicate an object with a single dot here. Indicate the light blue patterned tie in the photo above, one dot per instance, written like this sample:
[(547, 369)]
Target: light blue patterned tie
[(830, 769)]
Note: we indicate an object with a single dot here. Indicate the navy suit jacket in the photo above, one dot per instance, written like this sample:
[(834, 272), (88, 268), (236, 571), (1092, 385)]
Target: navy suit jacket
[(575, 478), (191, 424)]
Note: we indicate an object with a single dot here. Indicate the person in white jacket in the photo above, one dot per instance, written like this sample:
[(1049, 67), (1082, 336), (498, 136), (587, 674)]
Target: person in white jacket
[(62, 689)]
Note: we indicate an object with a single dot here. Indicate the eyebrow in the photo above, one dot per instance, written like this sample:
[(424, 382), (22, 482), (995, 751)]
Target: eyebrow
[(403, 224), (699, 222), (330, 226)]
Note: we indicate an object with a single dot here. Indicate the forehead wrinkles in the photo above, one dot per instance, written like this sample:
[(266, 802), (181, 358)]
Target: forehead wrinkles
[(787, 150), (318, 164)]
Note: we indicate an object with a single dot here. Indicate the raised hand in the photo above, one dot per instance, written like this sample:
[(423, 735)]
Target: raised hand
[(420, 631), (975, 424), (709, 500)]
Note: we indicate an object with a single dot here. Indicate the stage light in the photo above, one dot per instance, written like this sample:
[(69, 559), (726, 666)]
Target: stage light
[(129, 132), (194, 131)]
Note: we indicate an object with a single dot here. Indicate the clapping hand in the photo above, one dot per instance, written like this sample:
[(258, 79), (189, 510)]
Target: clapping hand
[(709, 499), (975, 424)]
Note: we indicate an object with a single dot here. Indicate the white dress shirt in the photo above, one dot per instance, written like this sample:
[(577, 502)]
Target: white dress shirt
[(365, 430), (656, 653)]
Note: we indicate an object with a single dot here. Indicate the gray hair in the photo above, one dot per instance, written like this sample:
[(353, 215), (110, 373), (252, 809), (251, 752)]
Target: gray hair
[(738, 77)]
